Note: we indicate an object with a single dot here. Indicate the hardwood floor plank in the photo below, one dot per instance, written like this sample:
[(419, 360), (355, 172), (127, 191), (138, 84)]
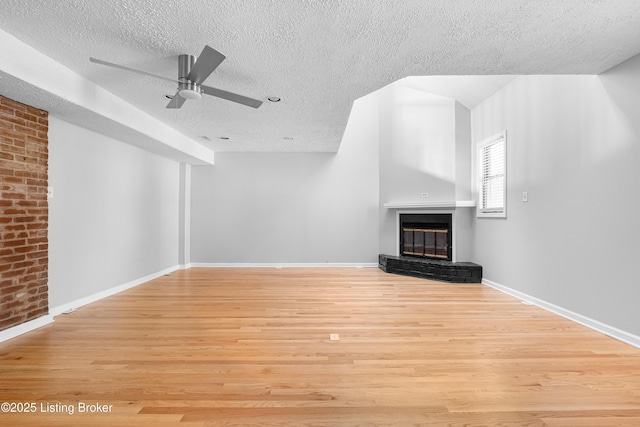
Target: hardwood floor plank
[(252, 347)]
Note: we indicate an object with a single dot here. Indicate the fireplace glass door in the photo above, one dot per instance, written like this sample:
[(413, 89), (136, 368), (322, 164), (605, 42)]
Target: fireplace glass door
[(425, 242)]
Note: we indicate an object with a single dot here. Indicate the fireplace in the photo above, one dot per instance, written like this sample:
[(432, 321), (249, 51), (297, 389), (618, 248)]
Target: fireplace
[(426, 236), (425, 248)]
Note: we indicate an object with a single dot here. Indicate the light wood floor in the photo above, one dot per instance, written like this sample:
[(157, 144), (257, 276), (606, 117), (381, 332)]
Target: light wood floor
[(251, 347)]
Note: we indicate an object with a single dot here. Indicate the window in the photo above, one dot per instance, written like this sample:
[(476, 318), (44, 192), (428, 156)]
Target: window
[(492, 176)]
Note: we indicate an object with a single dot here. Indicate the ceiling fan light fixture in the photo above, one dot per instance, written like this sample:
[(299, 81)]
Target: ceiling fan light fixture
[(274, 99), (189, 90), (189, 94)]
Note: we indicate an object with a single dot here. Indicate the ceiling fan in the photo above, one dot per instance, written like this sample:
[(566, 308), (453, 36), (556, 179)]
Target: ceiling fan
[(191, 74)]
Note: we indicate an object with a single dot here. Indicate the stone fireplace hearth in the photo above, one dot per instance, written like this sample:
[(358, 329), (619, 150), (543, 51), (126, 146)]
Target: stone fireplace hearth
[(446, 271)]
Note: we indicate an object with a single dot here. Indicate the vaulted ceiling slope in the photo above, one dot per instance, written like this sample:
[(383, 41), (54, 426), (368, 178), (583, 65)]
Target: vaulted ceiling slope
[(318, 56)]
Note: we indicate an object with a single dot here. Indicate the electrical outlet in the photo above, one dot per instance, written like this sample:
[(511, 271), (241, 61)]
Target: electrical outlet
[(49, 192), (525, 196), (334, 337), (424, 194)]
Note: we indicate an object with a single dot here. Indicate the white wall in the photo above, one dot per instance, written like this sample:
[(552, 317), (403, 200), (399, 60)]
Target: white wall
[(464, 217), (114, 215), (424, 148), (184, 217), (574, 146), (463, 152), (291, 207), (417, 145)]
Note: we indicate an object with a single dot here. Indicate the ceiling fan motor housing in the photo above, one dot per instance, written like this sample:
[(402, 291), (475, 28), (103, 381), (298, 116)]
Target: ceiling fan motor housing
[(186, 88)]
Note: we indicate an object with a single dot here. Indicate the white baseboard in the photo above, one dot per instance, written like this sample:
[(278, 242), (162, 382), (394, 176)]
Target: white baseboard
[(283, 265), (25, 327), (55, 311), (603, 328)]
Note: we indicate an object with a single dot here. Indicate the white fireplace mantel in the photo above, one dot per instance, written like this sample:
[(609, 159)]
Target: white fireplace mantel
[(431, 205)]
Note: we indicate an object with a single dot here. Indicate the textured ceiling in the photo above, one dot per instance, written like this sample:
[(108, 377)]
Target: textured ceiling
[(317, 55)]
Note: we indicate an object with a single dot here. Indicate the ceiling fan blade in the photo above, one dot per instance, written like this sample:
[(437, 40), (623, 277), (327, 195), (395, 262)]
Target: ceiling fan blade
[(208, 61), (229, 96), (177, 101), (122, 67)]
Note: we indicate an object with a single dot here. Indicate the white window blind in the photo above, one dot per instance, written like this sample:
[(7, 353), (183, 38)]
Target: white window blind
[(492, 176)]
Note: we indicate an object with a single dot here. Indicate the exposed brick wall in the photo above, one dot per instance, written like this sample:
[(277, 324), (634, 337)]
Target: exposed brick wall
[(24, 213)]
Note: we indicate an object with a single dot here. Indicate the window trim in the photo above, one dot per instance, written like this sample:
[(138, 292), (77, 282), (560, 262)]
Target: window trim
[(480, 146)]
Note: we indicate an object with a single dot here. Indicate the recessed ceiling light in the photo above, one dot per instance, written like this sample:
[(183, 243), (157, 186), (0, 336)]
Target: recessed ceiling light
[(288, 138), (169, 96), (205, 137), (274, 99), (224, 137)]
